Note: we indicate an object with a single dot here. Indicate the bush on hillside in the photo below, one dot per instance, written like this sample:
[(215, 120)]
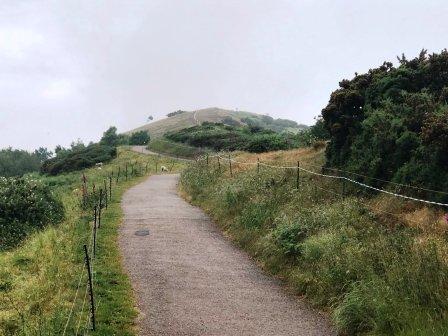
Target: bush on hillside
[(391, 122), (15, 162), (139, 138), (78, 159), (172, 114), (25, 205), (221, 137)]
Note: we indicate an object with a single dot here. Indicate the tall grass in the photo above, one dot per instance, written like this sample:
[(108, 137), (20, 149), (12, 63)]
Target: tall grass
[(373, 274), (38, 279)]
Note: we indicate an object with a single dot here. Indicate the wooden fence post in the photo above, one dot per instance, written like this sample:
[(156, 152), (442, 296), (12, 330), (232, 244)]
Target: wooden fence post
[(298, 175)]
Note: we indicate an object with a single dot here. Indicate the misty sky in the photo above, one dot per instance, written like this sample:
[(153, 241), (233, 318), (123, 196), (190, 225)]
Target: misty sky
[(70, 69)]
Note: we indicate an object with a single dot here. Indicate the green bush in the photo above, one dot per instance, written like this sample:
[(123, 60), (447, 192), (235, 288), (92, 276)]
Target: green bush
[(25, 205), (78, 159), (220, 137), (139, 138), (391, 123)]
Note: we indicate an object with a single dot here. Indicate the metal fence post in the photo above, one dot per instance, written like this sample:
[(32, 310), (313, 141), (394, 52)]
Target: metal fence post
[(230, 166), (92, 302)]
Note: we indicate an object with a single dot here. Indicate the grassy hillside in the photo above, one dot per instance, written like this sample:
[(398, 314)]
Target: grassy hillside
[(39, 278), (377, 264), (158, 128)]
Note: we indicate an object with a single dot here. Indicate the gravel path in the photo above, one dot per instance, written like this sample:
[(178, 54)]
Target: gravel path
[(190, 280)]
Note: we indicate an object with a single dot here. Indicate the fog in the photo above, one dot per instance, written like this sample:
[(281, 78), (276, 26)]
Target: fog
[(70, 69)]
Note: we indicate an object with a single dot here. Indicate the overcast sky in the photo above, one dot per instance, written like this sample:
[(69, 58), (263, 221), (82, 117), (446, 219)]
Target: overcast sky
[(70, 69)]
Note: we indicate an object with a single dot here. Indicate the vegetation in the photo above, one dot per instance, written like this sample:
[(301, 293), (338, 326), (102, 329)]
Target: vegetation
[(39, 278), (372, 270), (172, 114), (78, 158), (15, 162), (392, 123), (139, 138), (267, 122), (26, 205), (187, 119), (171, 148), (220, 137)]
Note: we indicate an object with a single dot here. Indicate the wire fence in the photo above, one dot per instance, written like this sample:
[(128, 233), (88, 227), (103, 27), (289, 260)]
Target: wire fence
[(342, 178), (94, 202)]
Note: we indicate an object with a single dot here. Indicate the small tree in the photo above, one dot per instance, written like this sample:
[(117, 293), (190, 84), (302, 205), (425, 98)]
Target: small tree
[(139, 138), (110, 137)]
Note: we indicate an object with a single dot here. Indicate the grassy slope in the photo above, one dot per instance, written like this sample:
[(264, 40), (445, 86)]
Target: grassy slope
[(38, 280), (377, 273), (158, 128), (171, 148)]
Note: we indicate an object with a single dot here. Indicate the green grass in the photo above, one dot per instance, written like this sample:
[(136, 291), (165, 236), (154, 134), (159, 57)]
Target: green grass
[(171, 148), (373, 275), (38, 279)]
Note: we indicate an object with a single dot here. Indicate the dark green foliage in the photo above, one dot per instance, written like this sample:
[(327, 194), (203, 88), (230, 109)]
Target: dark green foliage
[(172, 114), (110, 137), (392, 123), (219, 137), (139, 138), (277, 125), (15, 162), (25, 205), (77, 159)]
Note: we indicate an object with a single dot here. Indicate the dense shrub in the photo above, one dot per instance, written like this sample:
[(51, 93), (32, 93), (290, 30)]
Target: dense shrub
[(219, 137), (391, 123), (25, 205), (19, 162), (139, 138), (77, 159)]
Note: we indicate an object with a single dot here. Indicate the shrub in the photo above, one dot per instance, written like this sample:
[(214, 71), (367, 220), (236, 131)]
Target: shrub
[(139, 138), (78, 159), (25, 205)]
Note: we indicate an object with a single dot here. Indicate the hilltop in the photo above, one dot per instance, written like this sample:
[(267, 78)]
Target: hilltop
[(192, 118)]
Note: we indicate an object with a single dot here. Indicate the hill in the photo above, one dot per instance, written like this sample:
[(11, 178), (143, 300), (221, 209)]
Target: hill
[(192, 118)]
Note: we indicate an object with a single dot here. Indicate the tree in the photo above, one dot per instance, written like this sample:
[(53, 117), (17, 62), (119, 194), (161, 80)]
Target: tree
[(139, 138), (110, 137), (43, 154)]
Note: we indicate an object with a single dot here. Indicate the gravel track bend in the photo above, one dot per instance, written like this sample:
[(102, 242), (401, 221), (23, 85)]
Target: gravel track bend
[(190, 280)]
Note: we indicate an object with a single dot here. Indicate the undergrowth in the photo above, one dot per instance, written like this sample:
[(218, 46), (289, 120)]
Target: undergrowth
[(374, 275)]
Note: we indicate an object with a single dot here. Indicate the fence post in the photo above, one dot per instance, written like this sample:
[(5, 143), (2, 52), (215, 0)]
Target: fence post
[(258, 165), (105, 193), (92, 302), (219, 165), (207, 158), (126, 171), (230, 166), (343, 184), (110, 187), (298, 175), (156, 166), (118, 174), (146, 168), (94, 235), (100, 206)]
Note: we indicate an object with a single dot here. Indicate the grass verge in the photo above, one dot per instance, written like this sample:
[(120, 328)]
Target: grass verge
[(39, 278), (374, 273)]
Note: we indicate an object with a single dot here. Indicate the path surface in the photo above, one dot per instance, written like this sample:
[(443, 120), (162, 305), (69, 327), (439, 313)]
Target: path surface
[(190, 280)]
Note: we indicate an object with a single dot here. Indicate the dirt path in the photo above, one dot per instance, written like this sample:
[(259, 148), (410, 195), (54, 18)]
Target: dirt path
[(190, 280)]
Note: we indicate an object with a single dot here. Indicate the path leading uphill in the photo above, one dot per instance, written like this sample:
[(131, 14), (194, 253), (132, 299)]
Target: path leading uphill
[(190, 280)]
